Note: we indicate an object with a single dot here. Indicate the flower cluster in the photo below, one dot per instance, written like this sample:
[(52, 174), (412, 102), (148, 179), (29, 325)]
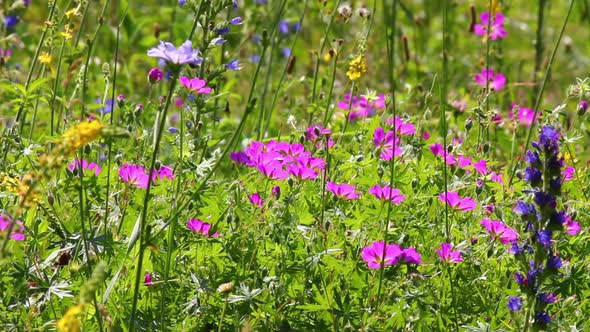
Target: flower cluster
[(380, 254), (466, 163), (280, 160), (543, 220), (361, 107), (356, 68)]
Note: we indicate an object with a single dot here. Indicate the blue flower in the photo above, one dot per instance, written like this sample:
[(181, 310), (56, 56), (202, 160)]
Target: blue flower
[(554, 262), (542, 317), (524, 209), (284, 27), (286, 52), (236, 21), (185, 54), (222, 31), (233, 65), (182, 2), (532, 157), (547, 298), (533, 175), (10, 21), (514, 303), (545, 237)]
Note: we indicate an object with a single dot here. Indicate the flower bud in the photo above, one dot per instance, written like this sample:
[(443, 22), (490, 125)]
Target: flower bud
[(582, 107), (155, 75)]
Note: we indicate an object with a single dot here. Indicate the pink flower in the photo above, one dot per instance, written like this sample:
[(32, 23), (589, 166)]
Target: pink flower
[(459, 105), (86, 166), (455, 201), (387, 142), (361, 107), (568, 173), (374, 254), (411, 256), (199, 227), (436, 149), (496, 26), (319, 136), (164, 172), (134, 175), (487, 78), (499, 230), (147, 279), (387, 193), (195, 85), (481, 167), (571, 226), (256, 200), (448, 255), (402, 127), (18, 230), (525, 115), (345, 191)]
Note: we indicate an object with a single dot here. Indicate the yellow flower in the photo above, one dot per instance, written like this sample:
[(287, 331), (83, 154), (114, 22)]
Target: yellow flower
[(356, 68), (67, 33), (69, 322), (71, 12), (45, 58), (81, 134)]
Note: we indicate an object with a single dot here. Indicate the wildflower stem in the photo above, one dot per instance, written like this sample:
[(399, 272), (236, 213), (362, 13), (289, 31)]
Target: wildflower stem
[(539, 45), (318, 59), (389, 15), (55, 85), (543, 85), (146, 200)]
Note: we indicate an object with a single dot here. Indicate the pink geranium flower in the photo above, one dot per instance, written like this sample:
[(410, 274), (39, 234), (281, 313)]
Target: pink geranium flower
[(525, 115), (86, 166), (18, 230), (448, 255), (195, 85), (386, 193), (200, 227), (499, 230), (411, 256), (402, 127), (571, 226), (496, 26), (374, 257), (455, 201), (256, 200), (134, 175), (488, 78), (147, 279), (344, 191), (568, 173)]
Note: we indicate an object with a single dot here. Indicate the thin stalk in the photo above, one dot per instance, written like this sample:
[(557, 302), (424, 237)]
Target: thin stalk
[(318, 59), (443, 103), (146, 199), (543, 85), (389, 15), (539, 43), (284, 73), (55, 85)]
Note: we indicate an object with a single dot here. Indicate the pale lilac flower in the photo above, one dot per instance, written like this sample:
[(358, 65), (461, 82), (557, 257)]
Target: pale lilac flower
[(459, 105), (386, 193), (256, 200), (488, 78), (134, 175), (499, 230), (448, 255), (86, 166), (496, 26), (195, 85), (345, 191), (200, 227), (185, 54), (374, 257), (455, 201)]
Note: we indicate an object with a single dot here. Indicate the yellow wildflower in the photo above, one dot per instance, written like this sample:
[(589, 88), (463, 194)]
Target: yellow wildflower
[(67, 33), (69, 322), (81, 134), (71, 12), (45, 58), (356, 68)]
